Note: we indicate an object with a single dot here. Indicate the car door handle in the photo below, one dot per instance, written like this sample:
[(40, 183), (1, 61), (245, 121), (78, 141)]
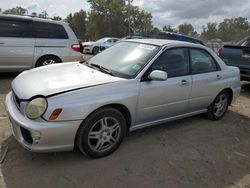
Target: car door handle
[(218, 77), (184, 83)]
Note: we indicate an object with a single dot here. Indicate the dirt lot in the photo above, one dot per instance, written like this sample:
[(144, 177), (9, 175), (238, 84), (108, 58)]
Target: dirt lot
[(193, 152)]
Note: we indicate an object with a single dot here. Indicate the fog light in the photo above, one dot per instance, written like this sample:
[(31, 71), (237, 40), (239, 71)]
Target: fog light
[(54, 115)]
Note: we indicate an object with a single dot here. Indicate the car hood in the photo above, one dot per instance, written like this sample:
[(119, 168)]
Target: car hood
[(88, 43), (53, 79)]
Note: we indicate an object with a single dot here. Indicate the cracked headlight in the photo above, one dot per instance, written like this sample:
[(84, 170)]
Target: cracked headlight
[(36, 107)]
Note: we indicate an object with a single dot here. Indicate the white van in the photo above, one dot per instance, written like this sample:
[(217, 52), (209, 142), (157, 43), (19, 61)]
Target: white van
[(27, 42)]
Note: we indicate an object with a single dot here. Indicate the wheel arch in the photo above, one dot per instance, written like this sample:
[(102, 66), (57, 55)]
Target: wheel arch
[(46, 56), (120, 107), (230, 92)]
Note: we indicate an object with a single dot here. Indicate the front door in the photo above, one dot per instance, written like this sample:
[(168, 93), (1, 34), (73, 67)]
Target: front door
[(16, 44), (159, 100)]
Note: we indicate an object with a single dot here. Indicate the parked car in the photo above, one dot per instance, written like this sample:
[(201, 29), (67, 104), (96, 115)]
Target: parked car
[(27, 42), (134, 37), (94, 47), (177, 36), (106, 45), (132, 85), (239, 56)]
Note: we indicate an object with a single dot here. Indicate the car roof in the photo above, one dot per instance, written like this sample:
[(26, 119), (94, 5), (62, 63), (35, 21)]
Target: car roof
[(29, 18), (163, 42), (179, 37)]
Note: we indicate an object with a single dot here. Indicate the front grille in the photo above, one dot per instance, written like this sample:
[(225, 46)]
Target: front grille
[(16, 100)]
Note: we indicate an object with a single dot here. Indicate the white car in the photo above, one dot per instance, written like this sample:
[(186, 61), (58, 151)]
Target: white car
[(132, 85), (27, 42), (94, 47)]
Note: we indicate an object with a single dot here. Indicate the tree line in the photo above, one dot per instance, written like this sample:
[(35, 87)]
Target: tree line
[(117, 18)]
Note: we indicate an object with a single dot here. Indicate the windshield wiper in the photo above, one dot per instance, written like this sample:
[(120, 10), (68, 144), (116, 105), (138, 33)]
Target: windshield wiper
[(101, 68)]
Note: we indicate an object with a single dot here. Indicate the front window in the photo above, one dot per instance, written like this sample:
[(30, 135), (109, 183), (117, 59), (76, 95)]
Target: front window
[(125, 59), (173, 61)]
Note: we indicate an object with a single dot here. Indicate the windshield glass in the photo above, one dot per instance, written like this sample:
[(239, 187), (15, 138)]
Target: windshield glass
[(101, 40), (125, 59)]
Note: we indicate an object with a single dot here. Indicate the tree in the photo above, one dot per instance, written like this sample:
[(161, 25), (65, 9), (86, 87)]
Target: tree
[(210, 31), (112, 17), (141, 21), (77, 22), (169, 28), (233, 29), (17, 10), (106, 18), (187, 29), (34, 14), (58, 18)]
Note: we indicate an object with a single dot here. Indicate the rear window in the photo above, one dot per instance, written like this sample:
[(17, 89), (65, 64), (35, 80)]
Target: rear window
[(49, 30), (15, 28)]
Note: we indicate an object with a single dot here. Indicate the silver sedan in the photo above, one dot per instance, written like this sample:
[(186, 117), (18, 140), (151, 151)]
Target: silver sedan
[(132, 85)]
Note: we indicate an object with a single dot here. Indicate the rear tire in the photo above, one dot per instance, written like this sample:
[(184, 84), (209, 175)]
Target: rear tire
[(101, 133), (218, 108), (47, 60)]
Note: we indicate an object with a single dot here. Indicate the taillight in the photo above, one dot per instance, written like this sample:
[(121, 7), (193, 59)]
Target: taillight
[(218, 52), (76, 47)]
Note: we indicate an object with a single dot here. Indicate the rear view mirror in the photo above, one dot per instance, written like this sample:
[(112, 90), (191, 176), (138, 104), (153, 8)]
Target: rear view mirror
[(158, 75)]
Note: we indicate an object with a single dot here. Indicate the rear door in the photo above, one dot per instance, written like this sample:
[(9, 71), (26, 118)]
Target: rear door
[(52, 39), (207, 79), (16, 44)]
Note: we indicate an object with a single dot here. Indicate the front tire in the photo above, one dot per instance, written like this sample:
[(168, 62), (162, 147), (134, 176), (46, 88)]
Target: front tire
[(218, 108), (95, 50), (101, 133)]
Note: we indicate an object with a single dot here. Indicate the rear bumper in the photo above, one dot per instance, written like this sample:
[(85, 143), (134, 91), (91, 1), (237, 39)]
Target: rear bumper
[(40, 136), (244, 74), (236, 94)]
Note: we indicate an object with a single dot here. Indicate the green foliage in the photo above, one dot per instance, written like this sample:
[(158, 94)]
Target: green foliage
[(106, 19), (58, 18), (169, 28), (210, 31), (229, 30), (111, 18), (187, 29), (233, 29), (141, 21), (77, 22), (17, 10)]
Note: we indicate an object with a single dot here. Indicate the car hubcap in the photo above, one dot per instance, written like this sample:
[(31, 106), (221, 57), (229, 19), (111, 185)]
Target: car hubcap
[(220, 105), (49, 62), (104, 134)]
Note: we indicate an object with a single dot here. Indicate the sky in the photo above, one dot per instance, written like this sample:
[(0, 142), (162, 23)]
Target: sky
[(164, 12)]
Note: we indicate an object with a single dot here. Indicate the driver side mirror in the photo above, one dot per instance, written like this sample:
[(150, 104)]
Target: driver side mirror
[(158, 75)]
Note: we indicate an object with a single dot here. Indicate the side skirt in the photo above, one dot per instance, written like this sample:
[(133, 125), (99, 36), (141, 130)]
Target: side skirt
[(148, 124)]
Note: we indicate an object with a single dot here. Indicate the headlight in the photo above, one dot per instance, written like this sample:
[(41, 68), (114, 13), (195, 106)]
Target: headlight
[(36, 107)]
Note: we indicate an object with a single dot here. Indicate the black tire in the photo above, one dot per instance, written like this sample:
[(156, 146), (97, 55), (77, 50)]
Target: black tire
[(49, 59), (216, 112), (95, 50), (89, 145)]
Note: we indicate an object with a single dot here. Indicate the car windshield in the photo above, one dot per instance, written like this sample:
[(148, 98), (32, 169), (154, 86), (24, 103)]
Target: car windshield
[(101, 40), (125, 59)]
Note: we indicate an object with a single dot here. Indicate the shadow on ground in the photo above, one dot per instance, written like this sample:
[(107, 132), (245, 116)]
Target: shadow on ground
[(245, 89), (5, 82), (193, 152)]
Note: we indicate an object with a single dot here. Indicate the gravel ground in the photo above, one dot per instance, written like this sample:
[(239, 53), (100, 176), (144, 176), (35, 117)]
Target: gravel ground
[(192, 152)]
